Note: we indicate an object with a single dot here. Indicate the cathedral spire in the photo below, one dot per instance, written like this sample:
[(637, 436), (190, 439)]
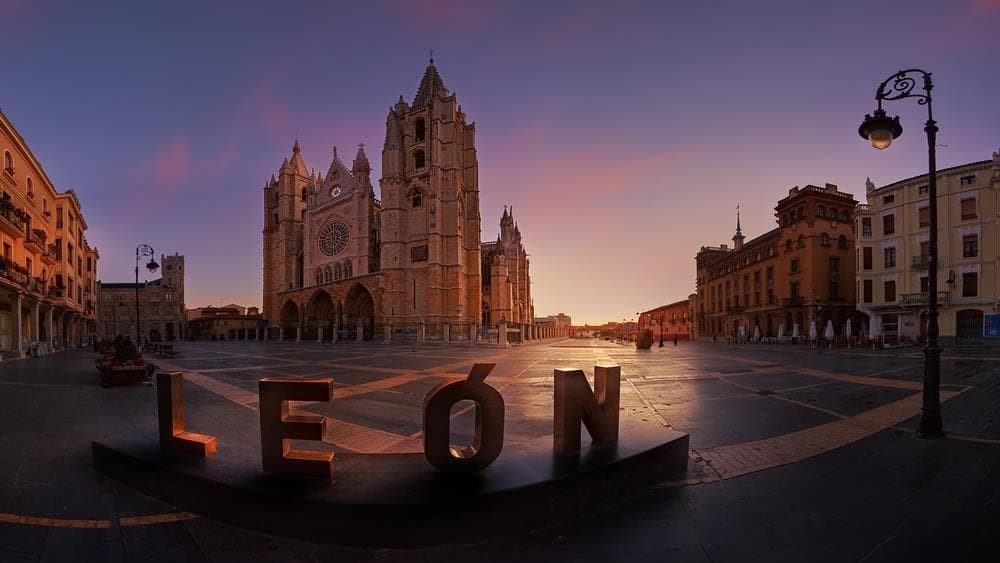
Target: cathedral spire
[(361, 165), (738, 237), (297, 164), (429, 86)]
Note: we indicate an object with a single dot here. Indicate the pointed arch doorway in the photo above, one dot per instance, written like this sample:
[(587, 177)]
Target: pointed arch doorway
[(360, 306)]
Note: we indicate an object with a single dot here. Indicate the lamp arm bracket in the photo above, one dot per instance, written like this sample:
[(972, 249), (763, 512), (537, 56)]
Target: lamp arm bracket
[(903, 83)]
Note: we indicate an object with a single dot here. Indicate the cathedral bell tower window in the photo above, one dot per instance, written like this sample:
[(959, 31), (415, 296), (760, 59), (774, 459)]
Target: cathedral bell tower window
[(418, 159), (419, 130), (417, 199)]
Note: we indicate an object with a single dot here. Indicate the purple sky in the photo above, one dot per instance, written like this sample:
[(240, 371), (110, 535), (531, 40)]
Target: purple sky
[(623, 133)]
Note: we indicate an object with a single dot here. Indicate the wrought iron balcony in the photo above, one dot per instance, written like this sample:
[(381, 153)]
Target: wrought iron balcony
[(920, 299), (920, 262), (35, 241), (10, 219)]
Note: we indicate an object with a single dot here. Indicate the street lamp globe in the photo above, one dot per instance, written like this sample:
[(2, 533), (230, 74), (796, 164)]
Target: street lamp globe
[(880, 129), (152, 266)]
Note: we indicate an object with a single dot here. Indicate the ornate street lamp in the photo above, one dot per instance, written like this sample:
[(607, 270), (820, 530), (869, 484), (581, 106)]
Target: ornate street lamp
[(142, 250), (880, 130)]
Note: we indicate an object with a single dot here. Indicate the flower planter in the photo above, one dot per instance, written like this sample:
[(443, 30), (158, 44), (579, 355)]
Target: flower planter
[(124, 375)]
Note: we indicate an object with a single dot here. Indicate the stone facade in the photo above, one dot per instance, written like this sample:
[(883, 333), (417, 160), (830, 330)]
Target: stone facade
[(161, 305), (47, 267), (783, 281), (339, 261), (893, 251), (668, 321), (231, 322), (506, 276)]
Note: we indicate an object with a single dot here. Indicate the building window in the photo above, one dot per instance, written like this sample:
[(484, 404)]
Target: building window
[(8, 163), (888, 198), (834, 266), (923, 190), (802, 241), (888, 224), (925, 284), (967, 180), (418, 159), (793, 289), (788, 245), (866, 226), (889, 291), (924, 217), (866, 258), (890, 324), (867, 291), (418, 130), (890, 257), (970, 284), (821, 212), (970, 246), (968, 208), (417, 199), (834, 290), (824, 239), (794, 266), (842, 242)]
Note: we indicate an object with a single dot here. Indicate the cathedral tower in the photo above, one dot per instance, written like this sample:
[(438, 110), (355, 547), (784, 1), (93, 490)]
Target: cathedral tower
[(284, 202), (430, 220)]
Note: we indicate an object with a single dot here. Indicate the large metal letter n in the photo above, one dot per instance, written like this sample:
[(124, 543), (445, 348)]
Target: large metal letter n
[(575, 403)]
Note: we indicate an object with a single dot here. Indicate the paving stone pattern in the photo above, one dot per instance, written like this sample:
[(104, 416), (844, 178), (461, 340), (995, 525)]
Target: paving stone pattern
[(797, 453)]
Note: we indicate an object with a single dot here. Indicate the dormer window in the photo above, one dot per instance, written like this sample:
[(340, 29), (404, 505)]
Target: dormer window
[(419, 130)]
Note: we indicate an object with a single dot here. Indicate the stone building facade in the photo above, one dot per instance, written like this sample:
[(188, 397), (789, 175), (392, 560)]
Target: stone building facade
[(337, 259), (783, 281), (892, 255), (668, 321), (506, 277), (47, 267), (161, 305)]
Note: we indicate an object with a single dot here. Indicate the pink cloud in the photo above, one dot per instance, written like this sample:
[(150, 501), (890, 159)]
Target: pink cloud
[(170, 164), (985, 6)]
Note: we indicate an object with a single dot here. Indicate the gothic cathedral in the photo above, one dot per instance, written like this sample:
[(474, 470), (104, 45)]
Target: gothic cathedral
[(337, 259)]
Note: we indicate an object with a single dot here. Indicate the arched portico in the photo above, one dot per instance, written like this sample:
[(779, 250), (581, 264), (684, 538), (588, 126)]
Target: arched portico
[(289, 320), (359, 306), (321, 317)]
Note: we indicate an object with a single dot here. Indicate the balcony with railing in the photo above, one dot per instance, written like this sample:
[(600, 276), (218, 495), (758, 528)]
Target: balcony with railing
[(863, 209), (50, 256), (920, 262), (13, 272), (920, 299), (35, 241), (11, 219)]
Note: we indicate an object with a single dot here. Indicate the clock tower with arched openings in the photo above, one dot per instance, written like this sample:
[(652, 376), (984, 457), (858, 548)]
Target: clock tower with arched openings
[(430, 210)]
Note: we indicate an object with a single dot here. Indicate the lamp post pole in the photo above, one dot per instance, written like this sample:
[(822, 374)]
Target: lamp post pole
[(880, 130), (141, 250)]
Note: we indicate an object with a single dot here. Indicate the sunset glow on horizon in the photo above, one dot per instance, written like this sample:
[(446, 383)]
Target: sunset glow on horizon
[(623, 135)]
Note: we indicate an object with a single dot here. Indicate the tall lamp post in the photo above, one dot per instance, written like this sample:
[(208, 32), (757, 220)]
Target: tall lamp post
[(880, 130), (142, 250)]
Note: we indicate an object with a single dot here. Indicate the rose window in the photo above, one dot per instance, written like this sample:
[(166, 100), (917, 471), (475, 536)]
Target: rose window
[(333, 239)]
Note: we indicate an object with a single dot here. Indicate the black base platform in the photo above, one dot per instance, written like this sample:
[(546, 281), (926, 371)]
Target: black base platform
[(399, 500)]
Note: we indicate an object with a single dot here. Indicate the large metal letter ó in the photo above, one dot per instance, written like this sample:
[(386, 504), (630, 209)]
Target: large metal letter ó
[(574, 402), (488, 438), (278, 428), (170, 415)]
